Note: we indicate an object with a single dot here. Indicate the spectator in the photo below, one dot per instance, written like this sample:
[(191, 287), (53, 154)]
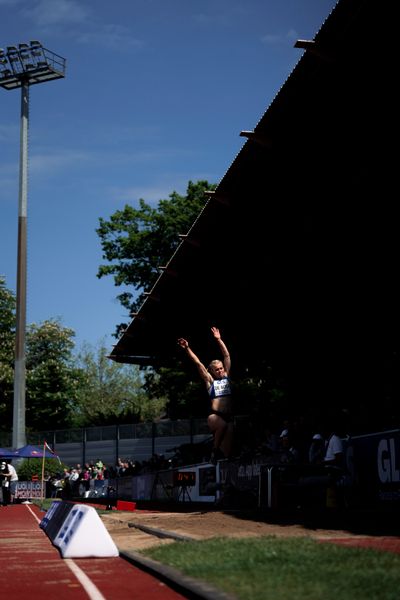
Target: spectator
[(334, 451), (316, 451), (334, 465), (86, 478), (5, 483), (322, 487), (289, 454), (56, 485), (13, 481), (74, 482), (67, 489)]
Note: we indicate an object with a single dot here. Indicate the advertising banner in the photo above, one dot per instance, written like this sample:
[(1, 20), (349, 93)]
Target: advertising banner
[(26, 490), (373, 462)]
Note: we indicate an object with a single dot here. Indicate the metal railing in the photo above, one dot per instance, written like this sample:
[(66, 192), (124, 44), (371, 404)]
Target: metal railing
[(167, 428)]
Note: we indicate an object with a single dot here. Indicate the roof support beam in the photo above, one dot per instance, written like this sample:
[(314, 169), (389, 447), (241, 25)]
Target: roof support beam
[(312, 47), (214, 195), (257, 137)]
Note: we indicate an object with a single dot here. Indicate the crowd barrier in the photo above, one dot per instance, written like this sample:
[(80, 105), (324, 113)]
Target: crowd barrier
[(28, 490), (371, 479)]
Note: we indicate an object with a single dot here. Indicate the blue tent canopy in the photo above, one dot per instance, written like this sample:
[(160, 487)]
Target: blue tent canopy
[(29, 451), (6, 454)]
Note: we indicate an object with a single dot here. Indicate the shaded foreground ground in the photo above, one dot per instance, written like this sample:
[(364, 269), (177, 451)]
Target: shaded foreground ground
[(32, 567)]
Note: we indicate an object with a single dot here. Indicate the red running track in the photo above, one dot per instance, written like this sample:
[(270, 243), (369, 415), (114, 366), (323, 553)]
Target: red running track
[(32, 568), (383, 543)]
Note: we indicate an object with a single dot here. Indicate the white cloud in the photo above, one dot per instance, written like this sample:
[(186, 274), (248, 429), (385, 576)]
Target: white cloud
[(110, 36), (75, 19), (132, 194), (279, 38), (224, 16), (8, 133), (213, 19), (8, 170), (292, 34), (152, 194), (56, 12), (39, 163), (50, 161)]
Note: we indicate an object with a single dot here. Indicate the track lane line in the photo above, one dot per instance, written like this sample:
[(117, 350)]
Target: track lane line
[(92, 591)]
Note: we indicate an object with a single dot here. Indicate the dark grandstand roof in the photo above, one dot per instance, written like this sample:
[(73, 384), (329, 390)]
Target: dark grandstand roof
[(295, 255)]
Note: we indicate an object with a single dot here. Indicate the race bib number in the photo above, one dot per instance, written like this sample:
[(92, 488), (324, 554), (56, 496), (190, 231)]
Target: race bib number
[(222, 387)]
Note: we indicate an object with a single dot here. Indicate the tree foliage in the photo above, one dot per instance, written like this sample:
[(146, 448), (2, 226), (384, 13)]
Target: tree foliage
[(7, 342), (137, 241), (51, 376), (186, 397), (52, 379), (64, 389), (34, 466), (110, 392)]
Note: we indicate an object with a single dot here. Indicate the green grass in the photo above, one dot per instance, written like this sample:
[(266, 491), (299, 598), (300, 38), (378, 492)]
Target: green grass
[(47, 502), (286, 569)]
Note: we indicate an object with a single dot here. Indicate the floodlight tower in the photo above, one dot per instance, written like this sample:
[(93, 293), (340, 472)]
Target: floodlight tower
[(20, 67)]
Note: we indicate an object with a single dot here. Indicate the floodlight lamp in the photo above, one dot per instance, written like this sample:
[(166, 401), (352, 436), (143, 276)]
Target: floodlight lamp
[(12, 58), (5, 74), (29, 64), (4, 70), (24, 54), (18, 70), (36, 51), (36, 48)]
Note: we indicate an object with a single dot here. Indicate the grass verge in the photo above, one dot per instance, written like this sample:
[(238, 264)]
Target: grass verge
[(286, 568)]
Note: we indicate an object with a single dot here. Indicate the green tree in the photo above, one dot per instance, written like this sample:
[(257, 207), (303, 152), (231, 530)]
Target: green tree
[(110, 392), (137, 241), (52, 379), (33, 466), (7, 342)]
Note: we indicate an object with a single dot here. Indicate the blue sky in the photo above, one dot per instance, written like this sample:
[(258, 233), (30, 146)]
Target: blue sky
[(156, 93)]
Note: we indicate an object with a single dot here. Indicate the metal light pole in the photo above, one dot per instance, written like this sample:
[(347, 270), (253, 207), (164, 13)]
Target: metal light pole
[(20, 67)]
